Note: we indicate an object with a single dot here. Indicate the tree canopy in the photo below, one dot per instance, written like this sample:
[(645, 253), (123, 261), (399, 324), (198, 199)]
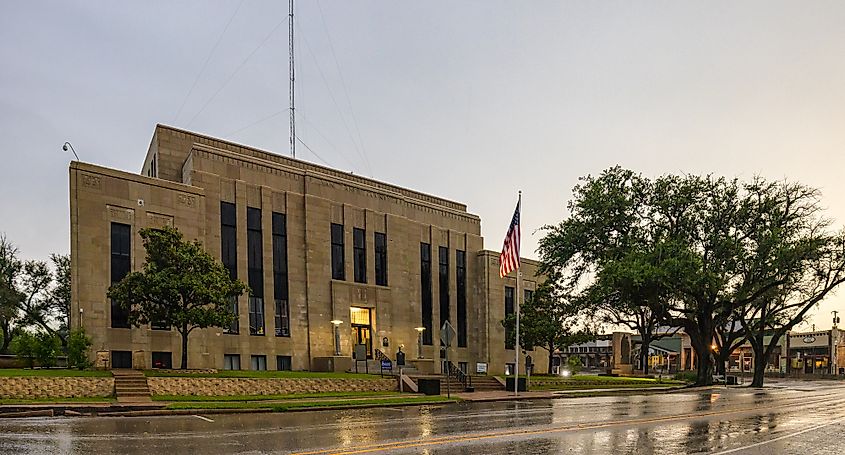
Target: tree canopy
[(180, 285), (723, 259)]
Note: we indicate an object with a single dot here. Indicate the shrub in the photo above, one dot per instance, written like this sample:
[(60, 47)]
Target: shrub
[(687, 376), (47, 348), (78, 345), (574, 364), (23, 346)]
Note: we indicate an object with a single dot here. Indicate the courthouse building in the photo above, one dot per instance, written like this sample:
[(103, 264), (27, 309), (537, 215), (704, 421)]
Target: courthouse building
[(323, 251)]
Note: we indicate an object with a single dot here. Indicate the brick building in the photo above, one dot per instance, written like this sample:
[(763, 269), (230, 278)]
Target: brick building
[(318, 247)]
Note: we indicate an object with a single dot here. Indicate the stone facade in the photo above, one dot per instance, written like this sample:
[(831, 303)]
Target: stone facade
[(28, 387), (185, 177), (264, 386)]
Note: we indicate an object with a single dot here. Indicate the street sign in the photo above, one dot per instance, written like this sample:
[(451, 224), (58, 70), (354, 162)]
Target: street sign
[(447, 334)]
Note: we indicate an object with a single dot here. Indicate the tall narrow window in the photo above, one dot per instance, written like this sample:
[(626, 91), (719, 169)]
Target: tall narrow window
[(444, 283), (359, 254), (380, 240), (229, 252), (509, 293), (280, 275), (425, 287), (121, 263), (255, 270), (338, 272), (529, 294), (461, 277)]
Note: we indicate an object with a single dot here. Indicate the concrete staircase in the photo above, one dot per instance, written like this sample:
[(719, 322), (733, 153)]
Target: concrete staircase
[(486, 383), (130, 386)]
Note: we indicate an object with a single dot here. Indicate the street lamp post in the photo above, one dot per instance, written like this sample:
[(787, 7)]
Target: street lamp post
[(420, 331), (336, 323), (65, 148)]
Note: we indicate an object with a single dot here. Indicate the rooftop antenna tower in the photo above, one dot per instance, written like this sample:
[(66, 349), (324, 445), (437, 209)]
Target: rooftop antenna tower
[(292, 79)]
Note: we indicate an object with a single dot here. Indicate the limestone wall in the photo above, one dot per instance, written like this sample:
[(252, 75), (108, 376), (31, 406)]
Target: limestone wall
[(268, 386), (44, 387)]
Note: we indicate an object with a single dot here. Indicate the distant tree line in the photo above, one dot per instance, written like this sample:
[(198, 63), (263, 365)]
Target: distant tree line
[(726, 261)]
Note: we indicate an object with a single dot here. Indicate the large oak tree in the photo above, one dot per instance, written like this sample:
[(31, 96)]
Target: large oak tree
[(181, 286)]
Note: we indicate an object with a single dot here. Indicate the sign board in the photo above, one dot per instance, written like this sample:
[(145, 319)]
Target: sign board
[(481, 368), (386, 364), (360, 352), (809, 340), (447, 334)]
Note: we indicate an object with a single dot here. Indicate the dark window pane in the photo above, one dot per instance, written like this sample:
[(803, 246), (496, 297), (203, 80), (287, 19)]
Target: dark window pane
[(283, 362), (380, 240), (359, 255), (235, 327), (121, 264), (231, 361), (282, 318), (162, 360), (461, 285), (509, 310), (255, 256), (256, 316), (229, 238), (425, 287), (444, 284), (338, 272)]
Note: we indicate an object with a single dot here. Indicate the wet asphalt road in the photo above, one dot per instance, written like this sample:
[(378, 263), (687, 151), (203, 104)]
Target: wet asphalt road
[(791, 418)]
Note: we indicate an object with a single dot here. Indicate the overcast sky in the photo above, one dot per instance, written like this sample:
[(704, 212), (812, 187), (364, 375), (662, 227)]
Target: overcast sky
[(471, 101)]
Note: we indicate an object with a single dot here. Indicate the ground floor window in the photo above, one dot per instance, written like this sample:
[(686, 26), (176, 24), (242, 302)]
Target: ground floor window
[(121, 359), (231, 362), (510, 369), (463, 367), (283, 363), (162, 360), (258, 362)]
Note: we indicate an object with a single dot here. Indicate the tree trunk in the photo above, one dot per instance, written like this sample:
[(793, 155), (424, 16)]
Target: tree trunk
[(759, 367), (644, 352), (551, 358), (7, 339), (184, 334)]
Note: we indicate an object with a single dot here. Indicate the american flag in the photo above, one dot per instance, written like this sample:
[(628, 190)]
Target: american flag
[(509, 259)]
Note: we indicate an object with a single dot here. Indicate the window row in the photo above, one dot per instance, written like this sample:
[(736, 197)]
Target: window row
[(256, 362), (509, 310), (444, 297), (359, 255)]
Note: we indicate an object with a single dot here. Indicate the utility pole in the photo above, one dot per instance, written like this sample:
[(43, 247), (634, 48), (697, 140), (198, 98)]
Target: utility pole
[(835, 318), (292, 79)]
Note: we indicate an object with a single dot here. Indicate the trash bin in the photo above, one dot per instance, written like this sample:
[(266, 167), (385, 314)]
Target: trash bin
[(522, 384), (428, 386), (731, 380)]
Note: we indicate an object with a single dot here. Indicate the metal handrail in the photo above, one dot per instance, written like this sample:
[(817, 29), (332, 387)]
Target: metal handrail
[(455, 372)]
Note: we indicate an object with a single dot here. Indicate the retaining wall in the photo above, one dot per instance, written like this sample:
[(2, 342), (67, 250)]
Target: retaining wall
[(264, 386), (60, 387)]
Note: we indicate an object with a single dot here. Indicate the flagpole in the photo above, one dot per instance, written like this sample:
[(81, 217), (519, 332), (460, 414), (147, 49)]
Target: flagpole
[(518, 294)]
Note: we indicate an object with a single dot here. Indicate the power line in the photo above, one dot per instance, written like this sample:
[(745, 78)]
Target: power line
[(207, 59), (313, 152), (334, 147), (343, 84), (334, 100), (237, 70), (262, 119)]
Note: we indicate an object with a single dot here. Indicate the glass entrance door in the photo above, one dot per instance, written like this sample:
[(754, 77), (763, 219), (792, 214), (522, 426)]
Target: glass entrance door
[(362, 328), (361, 335)]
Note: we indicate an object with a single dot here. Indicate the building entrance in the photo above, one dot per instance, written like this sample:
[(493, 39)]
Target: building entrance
[(362, 328)]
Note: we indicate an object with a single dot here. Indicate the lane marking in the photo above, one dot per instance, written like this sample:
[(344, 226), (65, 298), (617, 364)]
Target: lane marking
[(779, 438), (203, 418), (409, 444)]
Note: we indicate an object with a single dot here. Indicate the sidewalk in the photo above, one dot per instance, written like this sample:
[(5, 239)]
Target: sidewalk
[(508, 395)]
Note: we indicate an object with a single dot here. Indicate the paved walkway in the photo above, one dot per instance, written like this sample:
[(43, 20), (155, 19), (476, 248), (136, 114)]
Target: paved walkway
[(503, 395)]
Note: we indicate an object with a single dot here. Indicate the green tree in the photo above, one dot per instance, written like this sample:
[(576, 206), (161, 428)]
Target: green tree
[(181, 285), (47, 349), (548, 320), (24, 345), (78, 347), (10, 297)]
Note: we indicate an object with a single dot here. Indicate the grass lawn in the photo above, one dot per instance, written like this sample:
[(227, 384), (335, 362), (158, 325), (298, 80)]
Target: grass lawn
[(290, 396), (52, 372), (261, 374), (597, 382), (12, 401), (301, 404)]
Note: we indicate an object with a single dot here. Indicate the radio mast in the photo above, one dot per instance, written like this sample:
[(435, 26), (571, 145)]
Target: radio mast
[(292, 79)]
